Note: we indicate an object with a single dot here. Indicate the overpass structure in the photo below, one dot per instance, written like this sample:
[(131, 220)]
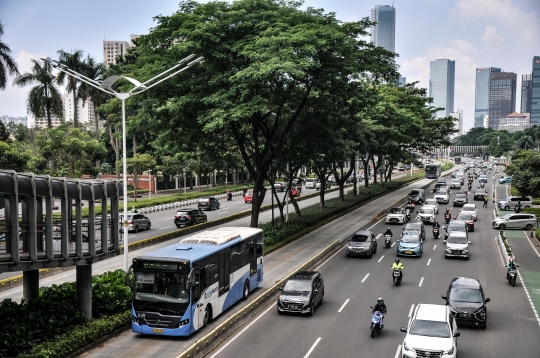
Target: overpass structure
[(35, 234), (467, 148)]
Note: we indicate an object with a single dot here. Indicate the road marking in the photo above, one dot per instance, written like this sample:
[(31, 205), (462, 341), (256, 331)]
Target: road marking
[(342, 307), (434, 247), (165, 219), (242, 207), (129, 237), (328, 259), (534, 248), (428, 262), (410, 311), (166, 227), (422, 280), (312, 347), (242, 331), (397, 352), (223, 212), (381, 258), (369, 228), (365, 278), (379, 236), (393, 244)]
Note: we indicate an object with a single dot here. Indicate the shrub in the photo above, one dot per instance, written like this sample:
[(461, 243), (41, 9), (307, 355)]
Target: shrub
[(536, 201), (276, 233), (535, 211)]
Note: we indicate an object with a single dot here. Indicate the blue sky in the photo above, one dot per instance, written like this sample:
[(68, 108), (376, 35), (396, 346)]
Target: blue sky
[(474, 33)]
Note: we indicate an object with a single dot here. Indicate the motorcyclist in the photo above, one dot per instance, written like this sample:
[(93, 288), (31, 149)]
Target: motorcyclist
[(511, 266), (381, 307), (229, 195), (436, 224), (518, 207), (388, 232), (447, 215), (398, 265), (244, 191)]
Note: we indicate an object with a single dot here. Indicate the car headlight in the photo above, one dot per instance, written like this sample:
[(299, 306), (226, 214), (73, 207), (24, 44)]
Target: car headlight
[(451, 351), (406, 347), (349, 247), (305, 300), (465, 251), (448, 251)]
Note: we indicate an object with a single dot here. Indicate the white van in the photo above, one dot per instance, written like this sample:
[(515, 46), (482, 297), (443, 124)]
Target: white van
[(310, 183)]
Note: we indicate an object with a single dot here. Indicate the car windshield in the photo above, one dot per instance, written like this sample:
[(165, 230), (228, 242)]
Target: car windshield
[(457, 239), (456, 226), (298, 286), (431, 202), (415, 192), (426, 211), (465, 295), (410, 239), (464, 217), (461, 196), (203, 200), (456, 181), (480, 191), (413, 226), (421, 327), (441, 193), (360, 238), (468, 208), (396, 211)]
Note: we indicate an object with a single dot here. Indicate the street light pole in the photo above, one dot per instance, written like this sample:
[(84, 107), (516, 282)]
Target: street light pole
[(106, 86)]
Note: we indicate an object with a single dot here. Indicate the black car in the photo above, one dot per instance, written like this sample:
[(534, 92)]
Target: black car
[(362, 243), (189, 217), (415, 227), (455, 225), (303, 291), (467, 302), (208, 203), (417, 195), (438, 185), (460, 199), (479, 194)]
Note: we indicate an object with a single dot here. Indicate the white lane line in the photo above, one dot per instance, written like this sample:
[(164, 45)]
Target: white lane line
[(428, 261), (393, 244), (223, 212), (243, 207), (422, 280), (398, 351), (165, 219), (410, 311), (379, 236), (434, 247), (365, 278), (242, 331), (381, 258), (534, 248), (312, 347), (328, 259), (129, 237), (343, 306), (369, 228), (166, 227)]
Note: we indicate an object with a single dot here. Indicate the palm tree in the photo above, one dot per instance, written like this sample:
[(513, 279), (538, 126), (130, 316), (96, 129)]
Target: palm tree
[(44, 98), (524, 142), (95, 71), (7, 64), (74, 61)]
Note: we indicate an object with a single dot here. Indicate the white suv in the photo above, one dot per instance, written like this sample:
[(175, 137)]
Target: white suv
[(431, 332), (310, 183)]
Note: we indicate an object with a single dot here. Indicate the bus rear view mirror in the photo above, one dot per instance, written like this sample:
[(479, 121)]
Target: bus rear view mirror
[(189, 284)]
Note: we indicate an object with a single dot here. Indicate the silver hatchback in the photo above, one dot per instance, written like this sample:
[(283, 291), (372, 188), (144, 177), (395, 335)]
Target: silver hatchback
[(515, 221), (135, 222)]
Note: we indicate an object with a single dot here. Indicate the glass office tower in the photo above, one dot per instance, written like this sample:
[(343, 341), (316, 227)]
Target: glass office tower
[(481, 94), (526, 93), (502, 97), (535, 91), (442, 77), (383, 34)]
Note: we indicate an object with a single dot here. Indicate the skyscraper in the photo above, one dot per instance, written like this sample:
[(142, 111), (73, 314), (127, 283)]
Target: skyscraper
[(383, 34), (458, 124), (442, 77), (481, 94), (502, 97), (526, 93), (535, 91)]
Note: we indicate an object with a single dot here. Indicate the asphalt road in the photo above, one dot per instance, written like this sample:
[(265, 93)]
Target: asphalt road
[(340, 327)]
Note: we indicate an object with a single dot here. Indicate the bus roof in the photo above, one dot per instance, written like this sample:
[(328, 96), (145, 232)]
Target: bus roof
[(202, 244)]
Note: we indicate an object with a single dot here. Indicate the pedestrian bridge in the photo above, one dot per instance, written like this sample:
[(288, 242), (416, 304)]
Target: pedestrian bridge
[(42, 225)]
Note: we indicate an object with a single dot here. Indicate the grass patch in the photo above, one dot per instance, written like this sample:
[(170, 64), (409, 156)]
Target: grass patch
[(514, 191)]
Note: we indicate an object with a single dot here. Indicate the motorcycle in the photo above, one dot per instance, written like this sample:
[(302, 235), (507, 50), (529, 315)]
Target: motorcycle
[(396, 277), (482, 185), (436, 233), (376, 323), (511, 277), (388, 240), (229, 196), (408, 214), (517, 209), (447, 217), (470, 186)]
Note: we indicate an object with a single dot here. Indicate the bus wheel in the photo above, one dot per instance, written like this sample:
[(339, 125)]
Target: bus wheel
[(207, 316), (246, 290)]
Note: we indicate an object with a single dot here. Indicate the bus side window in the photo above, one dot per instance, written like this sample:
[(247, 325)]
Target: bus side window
[(195, 290)]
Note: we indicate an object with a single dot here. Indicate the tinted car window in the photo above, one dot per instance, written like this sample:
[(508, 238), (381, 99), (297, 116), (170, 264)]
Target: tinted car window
[(410, 239), (360, 238), (456, 226), (456, 239), (297, 285), (396, 211), (465, 295), (461, 196), (427, 211)]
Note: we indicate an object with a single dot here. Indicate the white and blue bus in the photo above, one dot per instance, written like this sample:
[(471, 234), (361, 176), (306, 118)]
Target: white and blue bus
[(178, 289), (433, 171)]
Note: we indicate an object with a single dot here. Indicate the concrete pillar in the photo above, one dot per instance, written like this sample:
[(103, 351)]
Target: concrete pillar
[(30, 285), (84, 289)]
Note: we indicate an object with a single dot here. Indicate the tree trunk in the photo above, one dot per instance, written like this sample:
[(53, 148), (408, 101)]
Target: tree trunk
[(96, 126), (272, 180), (49, 122), (258, 196)]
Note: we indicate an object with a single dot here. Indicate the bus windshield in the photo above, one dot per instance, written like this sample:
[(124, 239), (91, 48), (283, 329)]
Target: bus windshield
[(163, 292), (432, 168)]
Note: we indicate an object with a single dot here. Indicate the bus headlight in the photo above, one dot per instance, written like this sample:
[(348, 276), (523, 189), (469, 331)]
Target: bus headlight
[(182, 323)]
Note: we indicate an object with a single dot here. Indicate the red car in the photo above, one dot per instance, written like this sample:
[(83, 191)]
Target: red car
[(248, 197), (468, 220)]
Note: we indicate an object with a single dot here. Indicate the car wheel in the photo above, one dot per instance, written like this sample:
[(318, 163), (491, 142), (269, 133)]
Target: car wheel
[(506, 208), (312, 309), (528, 227), (178, 226), (245, 202), (374, 252), (502, 226), (148, 226), (245, 294), (136, 229), (370, 255)]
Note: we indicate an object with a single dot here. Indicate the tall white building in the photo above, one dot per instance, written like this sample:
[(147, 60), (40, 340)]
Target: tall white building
[(459, 123), (42, 122), (112, 49), (85, 111)]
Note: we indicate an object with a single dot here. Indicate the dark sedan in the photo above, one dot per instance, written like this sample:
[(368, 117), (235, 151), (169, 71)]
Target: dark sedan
[(189, 217), (455, 225), (479, 194), (460, 199), (415, 227), (208, 203), (303, 291)]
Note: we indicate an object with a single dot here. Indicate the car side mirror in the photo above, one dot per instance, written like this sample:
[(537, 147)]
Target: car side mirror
[(443, 297), (280, 288), (403, 329), (444, 227), (457, 334), (469, 242), (487, 300)]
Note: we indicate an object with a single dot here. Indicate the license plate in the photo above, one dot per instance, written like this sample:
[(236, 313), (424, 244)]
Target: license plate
[(467, 315), (157, 330), (409, 252)]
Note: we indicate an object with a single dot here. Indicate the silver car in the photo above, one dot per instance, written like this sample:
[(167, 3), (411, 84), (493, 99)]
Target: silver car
[(515, 221), (457, 245), (510, 202), (136, 222)]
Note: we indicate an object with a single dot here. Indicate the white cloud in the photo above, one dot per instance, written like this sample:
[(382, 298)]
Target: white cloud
[(491, 37)]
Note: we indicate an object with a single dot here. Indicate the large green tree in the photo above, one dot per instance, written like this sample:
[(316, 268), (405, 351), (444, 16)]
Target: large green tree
[(525, 171), (8, 66), (73, 61), (44, 99)]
